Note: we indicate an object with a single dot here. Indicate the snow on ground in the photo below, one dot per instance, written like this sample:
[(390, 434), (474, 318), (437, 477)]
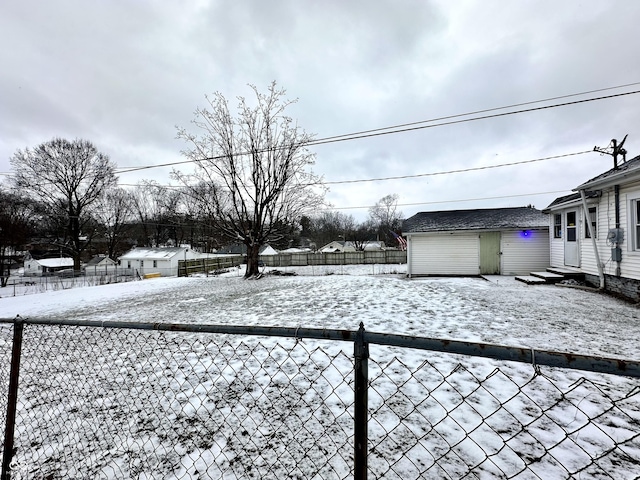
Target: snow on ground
[(499, 310), (184, 387)]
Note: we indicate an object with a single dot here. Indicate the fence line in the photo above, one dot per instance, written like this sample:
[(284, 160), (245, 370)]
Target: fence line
[(406, 421), (214, 264)]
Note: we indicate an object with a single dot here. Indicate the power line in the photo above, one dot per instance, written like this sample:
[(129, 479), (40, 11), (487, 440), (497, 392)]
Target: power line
[(457, 201), (408, 127), (487, 110), (471, 169)]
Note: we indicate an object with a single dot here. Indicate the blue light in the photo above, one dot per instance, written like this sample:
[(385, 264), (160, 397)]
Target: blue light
[(525, 233)]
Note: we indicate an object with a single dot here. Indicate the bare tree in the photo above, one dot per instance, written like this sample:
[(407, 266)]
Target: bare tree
[(114, 213), (255, 167), (18, 217), (69, 177), (385, 215), (155, 206)]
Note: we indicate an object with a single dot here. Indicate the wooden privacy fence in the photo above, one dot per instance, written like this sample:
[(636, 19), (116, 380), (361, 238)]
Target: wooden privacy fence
[(344, 258), (213, 264), (209, 264)]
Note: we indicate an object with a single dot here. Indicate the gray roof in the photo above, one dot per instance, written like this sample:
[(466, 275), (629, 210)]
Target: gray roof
[(624, 169), (480, 219), (570, 199)]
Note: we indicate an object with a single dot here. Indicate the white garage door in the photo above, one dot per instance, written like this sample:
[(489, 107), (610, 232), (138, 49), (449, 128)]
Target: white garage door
[(444, 254)]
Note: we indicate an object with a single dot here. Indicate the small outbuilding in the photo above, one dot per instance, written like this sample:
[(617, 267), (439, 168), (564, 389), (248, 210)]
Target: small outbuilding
[(494, 241), (142, 261), (100, 265)]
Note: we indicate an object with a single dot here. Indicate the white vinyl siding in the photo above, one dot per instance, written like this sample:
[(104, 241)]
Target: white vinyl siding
[(525, 251), (445, 254)]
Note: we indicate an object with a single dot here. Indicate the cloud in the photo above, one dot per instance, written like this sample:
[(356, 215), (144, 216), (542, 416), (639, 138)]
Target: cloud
[(123, 74)]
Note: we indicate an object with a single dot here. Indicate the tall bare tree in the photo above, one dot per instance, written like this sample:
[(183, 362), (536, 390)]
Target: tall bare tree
[(68, 177), (385, 216), (256, 168)]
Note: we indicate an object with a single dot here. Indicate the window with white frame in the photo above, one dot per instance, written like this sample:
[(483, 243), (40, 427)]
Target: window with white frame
[(155, 264), (635, 211), (557, 225), (593, 220)]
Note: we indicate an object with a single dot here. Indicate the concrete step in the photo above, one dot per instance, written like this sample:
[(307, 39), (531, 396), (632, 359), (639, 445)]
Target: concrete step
[(567, 272), (531, 280), (548, 277)]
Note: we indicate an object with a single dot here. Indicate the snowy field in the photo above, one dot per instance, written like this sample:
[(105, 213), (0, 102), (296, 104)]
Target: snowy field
[(186, 376)]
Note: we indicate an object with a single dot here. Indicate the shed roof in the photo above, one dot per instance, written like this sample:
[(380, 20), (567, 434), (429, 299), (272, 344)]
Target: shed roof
[(56, 262), (98, 259), (479, 219), (157, 253)]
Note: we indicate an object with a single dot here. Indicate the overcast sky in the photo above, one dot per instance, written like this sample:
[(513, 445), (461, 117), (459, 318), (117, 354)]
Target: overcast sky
[(124, 74)]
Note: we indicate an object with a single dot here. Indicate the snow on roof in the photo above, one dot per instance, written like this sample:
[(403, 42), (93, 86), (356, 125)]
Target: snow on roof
[(480, 219), (153, 252), (56, 262)]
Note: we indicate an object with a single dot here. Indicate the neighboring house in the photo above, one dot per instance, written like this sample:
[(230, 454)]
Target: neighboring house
[(496, 241), (609, 253), (373, 246), (162, 260), (100, 265), (241, 249), (45, 266), (337, 247)]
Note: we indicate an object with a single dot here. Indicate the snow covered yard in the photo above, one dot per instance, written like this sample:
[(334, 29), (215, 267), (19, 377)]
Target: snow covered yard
[(195, 406)]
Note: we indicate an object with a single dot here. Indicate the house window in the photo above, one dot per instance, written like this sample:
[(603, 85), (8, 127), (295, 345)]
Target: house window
[(571, 227), (636, 224), (128, 263), (593, 220), (155, 264), (557, 225)]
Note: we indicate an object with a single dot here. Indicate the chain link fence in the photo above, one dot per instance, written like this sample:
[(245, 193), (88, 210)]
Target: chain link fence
[(161, 401)]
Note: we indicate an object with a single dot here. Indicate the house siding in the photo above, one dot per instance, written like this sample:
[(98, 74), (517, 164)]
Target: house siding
[(522, 254), (444, 254)]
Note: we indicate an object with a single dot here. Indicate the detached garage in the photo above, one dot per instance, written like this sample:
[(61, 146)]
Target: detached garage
[(495, 241)]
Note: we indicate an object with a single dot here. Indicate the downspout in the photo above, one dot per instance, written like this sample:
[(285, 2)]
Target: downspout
[(593, 238), (617, 200)]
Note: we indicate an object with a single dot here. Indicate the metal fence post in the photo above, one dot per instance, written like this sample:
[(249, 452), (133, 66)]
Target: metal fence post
[(360, 416), (12, 398)]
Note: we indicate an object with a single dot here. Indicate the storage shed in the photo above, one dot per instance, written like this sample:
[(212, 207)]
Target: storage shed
[(495, 241)]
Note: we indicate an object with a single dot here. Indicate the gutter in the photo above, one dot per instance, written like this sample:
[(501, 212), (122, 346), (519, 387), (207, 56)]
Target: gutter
[(593, 238)]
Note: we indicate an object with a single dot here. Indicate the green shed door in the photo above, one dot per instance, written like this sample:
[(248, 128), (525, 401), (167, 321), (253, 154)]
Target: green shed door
[(490, 253)]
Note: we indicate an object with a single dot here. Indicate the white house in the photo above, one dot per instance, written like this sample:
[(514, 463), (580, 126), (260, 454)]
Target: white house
[(100, 265), (506, 241), (163, 260), (45, 266), (596, 230)]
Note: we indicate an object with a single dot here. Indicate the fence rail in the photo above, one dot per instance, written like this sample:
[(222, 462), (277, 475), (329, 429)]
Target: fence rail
[(148, 400)]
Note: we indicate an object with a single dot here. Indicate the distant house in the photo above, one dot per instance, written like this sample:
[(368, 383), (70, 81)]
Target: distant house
[(608, 253), (337, 247), (506, 241), (163, 260), (45, 266), (241, 249), (100, 265)]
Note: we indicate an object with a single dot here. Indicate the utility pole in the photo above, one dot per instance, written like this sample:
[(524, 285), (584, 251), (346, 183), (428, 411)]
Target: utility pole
[(616, 150), (616, 252)]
